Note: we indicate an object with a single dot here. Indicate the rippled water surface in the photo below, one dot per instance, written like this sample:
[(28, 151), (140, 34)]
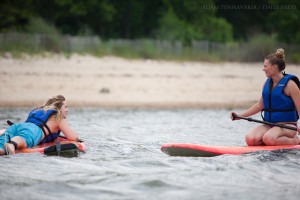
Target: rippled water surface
[(124, 161)]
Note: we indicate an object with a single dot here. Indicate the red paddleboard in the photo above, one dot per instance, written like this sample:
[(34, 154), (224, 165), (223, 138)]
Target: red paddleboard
[(196, 150), (41, 148), (50, 148)]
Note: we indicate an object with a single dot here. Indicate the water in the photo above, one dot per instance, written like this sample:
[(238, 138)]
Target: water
[(124, 161)]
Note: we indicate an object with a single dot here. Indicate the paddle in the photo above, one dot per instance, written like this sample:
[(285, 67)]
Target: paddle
[(234, 116), (61, 136)]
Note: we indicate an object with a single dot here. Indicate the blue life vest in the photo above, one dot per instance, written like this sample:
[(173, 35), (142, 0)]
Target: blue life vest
[(40, 117), (279, 107)]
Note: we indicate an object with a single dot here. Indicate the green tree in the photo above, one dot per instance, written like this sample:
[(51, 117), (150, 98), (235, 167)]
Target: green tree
[(14, 14), (285, 21), (171, 27), (135, 18), (190, 20), (246, 21), (75, 16)]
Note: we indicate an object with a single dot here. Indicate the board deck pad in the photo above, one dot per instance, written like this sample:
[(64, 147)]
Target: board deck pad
[(196, 150)]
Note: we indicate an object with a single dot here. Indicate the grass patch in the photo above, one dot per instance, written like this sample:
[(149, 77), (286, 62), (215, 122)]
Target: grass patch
[(253, 50)]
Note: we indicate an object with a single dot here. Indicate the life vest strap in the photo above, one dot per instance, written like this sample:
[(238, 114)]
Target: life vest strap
[(42, 125), (278, 110)]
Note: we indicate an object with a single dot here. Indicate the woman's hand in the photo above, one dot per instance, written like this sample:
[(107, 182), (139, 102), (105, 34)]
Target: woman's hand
[(232, 114), (78, 139)]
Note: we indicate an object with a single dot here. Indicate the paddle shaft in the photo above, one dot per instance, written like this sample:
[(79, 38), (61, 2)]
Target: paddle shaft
[(263, 122), (67, 138)]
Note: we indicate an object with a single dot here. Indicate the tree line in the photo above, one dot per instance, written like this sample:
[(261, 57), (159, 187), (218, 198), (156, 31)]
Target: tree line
[(183, 20)]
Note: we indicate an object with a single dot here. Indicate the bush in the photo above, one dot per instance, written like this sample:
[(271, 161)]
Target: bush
[(50, 36)]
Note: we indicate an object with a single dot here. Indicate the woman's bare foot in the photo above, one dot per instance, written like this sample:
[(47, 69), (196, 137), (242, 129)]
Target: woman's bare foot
[(10, 148)]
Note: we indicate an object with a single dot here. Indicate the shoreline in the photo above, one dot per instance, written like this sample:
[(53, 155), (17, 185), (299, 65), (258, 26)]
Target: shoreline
[(113, 82), (138, 105)]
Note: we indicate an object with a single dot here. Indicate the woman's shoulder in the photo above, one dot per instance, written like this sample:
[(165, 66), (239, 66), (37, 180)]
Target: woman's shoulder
[(295, 80), (63, 122), (291, 88), (292, 83)]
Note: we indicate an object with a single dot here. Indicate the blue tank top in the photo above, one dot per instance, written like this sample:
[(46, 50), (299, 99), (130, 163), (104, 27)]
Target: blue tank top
[(40, 117), (279, 107)]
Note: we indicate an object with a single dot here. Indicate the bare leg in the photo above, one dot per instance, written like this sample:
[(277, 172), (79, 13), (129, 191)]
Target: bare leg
[(2, 152), (10, 148), (255, 135), (281, 136)]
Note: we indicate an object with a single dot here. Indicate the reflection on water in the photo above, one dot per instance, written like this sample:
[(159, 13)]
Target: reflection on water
[(124, 161)]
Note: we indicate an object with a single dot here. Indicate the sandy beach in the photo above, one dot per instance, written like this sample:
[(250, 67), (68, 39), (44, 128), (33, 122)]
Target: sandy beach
[(88, 81)]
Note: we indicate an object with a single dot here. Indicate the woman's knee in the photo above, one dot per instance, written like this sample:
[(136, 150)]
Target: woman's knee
[(269, 140), (249, 140), (253, 140)]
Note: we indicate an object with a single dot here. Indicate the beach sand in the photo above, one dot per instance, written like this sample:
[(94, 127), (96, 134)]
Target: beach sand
[(113, 82)]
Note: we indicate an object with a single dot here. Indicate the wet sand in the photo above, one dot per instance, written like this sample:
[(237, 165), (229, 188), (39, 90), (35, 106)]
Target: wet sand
[(88, 81)]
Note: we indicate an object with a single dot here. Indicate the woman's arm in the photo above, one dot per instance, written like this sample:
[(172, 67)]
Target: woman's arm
[(255, 108), (292, 90), (68, 131)]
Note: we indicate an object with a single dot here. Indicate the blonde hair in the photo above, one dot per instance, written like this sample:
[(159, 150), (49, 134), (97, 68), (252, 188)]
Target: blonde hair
[(54, 103), (277, 58)]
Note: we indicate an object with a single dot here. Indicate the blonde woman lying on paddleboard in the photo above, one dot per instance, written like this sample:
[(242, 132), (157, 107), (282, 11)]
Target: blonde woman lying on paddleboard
[(43, 125), (280, 104)]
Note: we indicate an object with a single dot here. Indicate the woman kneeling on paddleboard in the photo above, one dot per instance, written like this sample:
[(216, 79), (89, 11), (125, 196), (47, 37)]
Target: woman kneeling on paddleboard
[(43, 125), (279, 102)]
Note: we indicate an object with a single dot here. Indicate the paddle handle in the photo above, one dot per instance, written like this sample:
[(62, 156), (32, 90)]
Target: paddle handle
[(235, 116)]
